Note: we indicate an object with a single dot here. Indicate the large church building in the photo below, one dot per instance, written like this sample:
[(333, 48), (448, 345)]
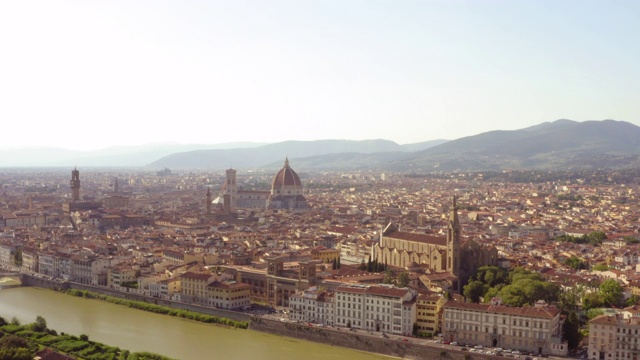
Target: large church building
[(286, 192), (449, 257)]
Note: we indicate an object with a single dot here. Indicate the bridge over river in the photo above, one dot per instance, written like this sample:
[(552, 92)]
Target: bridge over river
[(10, 280)]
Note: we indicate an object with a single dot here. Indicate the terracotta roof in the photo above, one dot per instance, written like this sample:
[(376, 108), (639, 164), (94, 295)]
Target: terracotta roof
[(547, 312), (195, 276), (604, 320), (286, 177), (386, 291), (423, 238)]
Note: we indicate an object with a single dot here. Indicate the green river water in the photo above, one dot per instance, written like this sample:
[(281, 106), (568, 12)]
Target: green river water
[(137, 330)]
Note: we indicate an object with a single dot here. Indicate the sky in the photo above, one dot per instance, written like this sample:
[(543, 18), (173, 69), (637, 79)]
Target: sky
[(88, 74)]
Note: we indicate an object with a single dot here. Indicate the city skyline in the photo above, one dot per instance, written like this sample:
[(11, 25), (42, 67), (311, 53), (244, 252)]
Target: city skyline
[(91, 75)]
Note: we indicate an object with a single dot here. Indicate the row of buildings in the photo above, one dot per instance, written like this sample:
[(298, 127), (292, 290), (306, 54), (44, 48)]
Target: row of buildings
[(385, 308)]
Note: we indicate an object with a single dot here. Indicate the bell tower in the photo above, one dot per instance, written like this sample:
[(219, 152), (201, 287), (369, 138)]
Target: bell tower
[(208, 201), (230, 190), (453, 242), (75, 185)]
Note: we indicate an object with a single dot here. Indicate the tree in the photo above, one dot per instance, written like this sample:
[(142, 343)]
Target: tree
[(474, 291), (600, 267), (40, 324), (570, 298), (592, 301), (17, 257), (575, 263), (15, 321), (15, 348), (611, 292), (363, 266), (13, 341), (492, 275), (633, 300), (571, 331), (596, 238), (388, 277), (403, 280), (592, 313)]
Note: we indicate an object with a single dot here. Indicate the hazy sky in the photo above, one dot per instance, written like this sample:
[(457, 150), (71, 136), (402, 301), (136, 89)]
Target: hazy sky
[(90, 74)]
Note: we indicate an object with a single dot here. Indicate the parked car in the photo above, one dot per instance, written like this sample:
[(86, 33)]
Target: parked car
[(454, 343)]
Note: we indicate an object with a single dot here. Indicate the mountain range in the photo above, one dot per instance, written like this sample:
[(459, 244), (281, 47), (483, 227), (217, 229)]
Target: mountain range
[(561, 144)]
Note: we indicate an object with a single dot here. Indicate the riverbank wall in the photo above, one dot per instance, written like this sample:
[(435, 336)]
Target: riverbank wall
[(359, 341), (29, 280)]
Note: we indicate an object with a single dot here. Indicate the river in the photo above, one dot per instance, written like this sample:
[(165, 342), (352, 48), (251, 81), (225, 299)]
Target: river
[(138, 330)]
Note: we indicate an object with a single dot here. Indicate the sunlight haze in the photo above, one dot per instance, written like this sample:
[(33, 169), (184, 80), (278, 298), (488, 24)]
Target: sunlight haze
[(92, 74)]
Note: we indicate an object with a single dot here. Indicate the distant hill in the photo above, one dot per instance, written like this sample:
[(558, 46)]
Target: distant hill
[(422, 145), (561, 144), (112, 156), (339, 154), (553, 145)]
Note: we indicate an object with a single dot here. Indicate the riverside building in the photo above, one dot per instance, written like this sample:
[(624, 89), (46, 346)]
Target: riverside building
[(536, 329), (615, 336)]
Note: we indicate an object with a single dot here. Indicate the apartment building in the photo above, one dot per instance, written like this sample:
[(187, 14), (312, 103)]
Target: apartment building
[(312, 305), (429, 313), (193, 287), (228, 294), (7, 252), (207, 290), (29, 260), (376, 308), (536, 329), (615, 336)]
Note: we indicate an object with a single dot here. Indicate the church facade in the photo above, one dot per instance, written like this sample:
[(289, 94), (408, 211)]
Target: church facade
[(449, 256)]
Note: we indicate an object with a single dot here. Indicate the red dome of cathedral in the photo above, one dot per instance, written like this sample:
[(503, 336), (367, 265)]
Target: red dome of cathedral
[(285, 178)]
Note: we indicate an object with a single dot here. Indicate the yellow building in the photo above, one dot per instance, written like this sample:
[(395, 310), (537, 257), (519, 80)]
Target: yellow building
[(429, 313), (324, 254), (117, 276), (634, 286), (205, 289), (228, 294), (193, 287)]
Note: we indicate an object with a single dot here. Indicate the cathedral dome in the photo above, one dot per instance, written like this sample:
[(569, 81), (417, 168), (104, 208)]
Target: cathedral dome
[(286, 181)]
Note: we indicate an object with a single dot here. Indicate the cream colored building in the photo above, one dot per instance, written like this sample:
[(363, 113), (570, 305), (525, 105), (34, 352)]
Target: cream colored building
[(121, 274), (536, 329), (312, 305), (615, 336), (376, 308)]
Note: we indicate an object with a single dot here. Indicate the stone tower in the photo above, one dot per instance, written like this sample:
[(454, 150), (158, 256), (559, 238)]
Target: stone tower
[(230, 190), (453, 243), (116, 188), (208, 201), (75, 185)]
